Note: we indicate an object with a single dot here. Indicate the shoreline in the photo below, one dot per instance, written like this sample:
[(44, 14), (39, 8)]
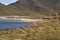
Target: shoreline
[(21, 19)]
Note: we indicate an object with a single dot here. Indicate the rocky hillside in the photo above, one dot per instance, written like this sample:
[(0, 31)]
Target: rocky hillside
[(30, 7)]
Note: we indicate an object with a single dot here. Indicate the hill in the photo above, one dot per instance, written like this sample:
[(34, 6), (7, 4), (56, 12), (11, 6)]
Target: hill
[(31, 7)]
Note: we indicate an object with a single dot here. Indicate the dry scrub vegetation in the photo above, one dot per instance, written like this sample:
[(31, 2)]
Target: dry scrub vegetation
[(43, 31)]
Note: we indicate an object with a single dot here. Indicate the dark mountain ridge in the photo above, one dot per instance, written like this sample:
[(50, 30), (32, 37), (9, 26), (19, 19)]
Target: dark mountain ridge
[(31, 7)]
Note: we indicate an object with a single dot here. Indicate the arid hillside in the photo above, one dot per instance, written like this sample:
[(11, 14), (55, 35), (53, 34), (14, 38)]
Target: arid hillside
[(30, 7)]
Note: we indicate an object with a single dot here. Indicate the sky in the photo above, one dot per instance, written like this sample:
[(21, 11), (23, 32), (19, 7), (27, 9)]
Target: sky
[(6, 2)]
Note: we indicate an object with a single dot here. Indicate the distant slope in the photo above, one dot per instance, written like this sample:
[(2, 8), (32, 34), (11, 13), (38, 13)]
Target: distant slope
[(31, 7), (32, 4), (39, 4), (4, 10)]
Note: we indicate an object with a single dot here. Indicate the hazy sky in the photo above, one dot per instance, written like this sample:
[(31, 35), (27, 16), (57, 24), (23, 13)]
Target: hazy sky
[(6, 2)]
